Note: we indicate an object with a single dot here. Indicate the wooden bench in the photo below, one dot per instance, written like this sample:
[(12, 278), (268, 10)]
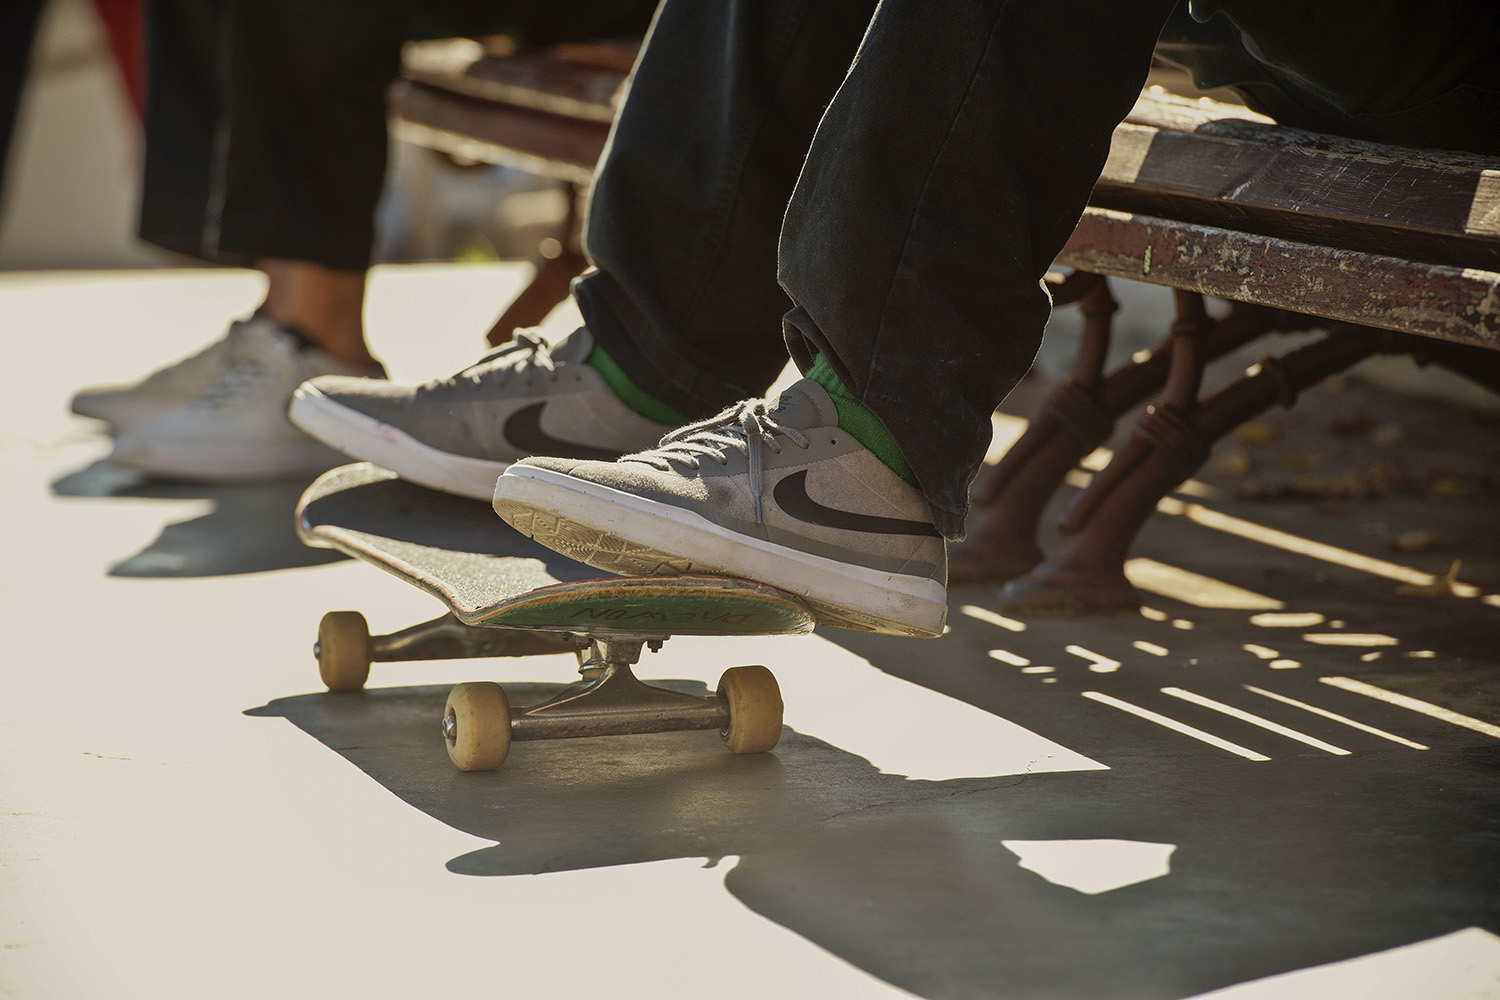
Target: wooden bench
[(545, 112), (1388, 249)]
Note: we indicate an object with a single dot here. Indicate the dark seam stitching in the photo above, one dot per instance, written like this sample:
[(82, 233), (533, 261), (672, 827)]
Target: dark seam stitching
[(728, 194), (917, 209)]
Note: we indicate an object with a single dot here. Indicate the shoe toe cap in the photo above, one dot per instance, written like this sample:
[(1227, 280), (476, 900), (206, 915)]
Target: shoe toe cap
[(564, 466), (373, 397)]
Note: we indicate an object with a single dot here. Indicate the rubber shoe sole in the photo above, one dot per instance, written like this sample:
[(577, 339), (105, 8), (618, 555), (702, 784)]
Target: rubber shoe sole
[(119, 413), (612, 530), (224, 464), (363, 437)]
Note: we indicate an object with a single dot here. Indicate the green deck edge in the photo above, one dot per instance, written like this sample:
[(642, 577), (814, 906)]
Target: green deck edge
[(655, 606)]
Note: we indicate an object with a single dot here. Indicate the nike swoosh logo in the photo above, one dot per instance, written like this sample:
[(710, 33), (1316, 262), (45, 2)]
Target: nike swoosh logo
[(524, 430), (791, 496)]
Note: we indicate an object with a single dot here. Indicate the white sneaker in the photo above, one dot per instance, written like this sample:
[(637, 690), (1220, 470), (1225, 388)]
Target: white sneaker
[(166, 389), (458, 434), (236, 429)]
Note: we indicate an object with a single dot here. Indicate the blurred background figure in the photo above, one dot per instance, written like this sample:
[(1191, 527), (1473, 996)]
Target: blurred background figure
[(20, 20), (266, 147)]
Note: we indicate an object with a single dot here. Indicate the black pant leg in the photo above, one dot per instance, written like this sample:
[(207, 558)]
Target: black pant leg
[(945, 177), (688, 201), (18, 21), (185, 89), (1419, 74), (272, 118)]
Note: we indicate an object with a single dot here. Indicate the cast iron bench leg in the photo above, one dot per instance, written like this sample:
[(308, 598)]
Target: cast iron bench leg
[(1087, 577), (1079, 416)]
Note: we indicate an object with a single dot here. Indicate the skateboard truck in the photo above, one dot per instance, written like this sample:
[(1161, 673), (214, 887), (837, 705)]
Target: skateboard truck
[(479, 725), (608, 700), (506, 596)]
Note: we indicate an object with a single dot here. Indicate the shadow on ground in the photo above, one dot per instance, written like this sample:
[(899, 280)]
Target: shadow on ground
[(248, 529), (1297, 855), (1278, 866)]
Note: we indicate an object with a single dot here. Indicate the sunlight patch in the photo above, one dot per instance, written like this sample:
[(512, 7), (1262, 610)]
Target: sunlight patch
[(1464, 965), (1093, 866), (1194, 588)]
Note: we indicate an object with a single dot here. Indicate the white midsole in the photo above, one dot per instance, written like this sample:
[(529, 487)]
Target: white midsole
[(370, 440), (915, 601), (224, 462)]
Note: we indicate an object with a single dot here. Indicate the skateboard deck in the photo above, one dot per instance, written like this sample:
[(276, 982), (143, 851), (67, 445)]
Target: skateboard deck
[(489, 574), (509, 596)]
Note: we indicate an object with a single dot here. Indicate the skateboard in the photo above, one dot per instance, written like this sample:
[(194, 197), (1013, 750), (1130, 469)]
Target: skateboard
[(508, 596)]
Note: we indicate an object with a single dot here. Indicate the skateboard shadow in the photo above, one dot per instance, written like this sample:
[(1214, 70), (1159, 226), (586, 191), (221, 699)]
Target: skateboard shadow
[(248, 529), (1275, 869)]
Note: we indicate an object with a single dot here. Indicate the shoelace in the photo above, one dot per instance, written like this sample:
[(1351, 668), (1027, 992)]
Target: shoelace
[(245, 370), (235, 382), (748, 428), (220, 353), (528, 353)]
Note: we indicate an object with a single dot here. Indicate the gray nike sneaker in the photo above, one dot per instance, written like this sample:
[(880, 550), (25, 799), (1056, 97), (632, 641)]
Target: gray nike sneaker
[(769, 490), (459, 434)]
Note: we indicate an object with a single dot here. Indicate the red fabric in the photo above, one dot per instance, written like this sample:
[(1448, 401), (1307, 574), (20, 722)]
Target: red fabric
[(124, 20)]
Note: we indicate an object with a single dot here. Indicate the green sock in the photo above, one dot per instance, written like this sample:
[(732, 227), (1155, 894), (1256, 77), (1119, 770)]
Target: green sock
[(855, 418), (630, 394)]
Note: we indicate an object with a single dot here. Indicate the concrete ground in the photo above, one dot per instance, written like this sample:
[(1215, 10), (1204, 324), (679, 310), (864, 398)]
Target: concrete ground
[(1279, 781)]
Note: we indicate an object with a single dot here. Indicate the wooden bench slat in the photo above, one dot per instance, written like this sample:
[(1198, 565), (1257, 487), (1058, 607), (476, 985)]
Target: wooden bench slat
[(1162, 109), (481, 130), (1426, 205), (1226, 202), (1461, 304), (1484, 215), (541, 82)]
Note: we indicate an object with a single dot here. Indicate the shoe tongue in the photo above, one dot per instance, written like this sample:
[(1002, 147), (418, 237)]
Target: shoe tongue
[(805, 403), (574, 348), (256, 327), (264, 333)]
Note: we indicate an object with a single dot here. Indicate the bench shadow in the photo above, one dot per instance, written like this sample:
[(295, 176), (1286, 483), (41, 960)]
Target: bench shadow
[(247, 529), (1275, 869)]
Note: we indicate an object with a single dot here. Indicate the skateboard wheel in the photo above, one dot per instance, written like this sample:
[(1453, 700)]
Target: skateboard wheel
[(476, 726), (343, 650), (754, 702)]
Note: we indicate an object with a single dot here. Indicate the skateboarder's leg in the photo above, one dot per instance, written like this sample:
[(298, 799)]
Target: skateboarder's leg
[(202, 68), (684, 312), (266, 147), (918, 277), (297, 138), (942, 181), (687, 204), (297, 147)]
